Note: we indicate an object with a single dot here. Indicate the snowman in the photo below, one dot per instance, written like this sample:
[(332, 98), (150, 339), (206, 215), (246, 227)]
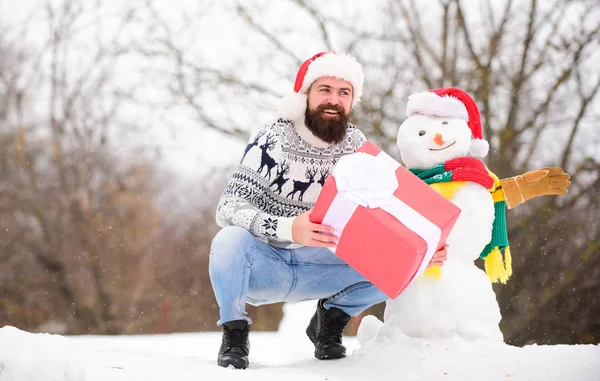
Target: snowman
[(439, 142)]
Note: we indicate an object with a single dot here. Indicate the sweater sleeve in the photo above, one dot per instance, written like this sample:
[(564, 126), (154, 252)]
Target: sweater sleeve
[(244, 202)]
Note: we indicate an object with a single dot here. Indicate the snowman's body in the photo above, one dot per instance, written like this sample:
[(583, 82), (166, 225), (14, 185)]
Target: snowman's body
[(462, 301)]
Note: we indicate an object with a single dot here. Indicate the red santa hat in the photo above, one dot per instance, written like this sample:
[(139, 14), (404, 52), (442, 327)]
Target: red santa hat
[(324, 64), (451, 103)]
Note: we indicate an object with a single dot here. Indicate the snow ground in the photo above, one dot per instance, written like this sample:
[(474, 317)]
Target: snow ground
[(284, 355)]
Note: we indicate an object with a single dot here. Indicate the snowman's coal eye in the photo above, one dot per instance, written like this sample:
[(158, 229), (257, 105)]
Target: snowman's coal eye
[(421, 133), (445, 123)]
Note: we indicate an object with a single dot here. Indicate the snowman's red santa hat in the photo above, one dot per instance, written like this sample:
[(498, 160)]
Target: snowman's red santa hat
[(324, 64), (451, 103)]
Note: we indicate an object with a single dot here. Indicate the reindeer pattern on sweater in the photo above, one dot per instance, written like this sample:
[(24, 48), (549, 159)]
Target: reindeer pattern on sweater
[(279, 177)]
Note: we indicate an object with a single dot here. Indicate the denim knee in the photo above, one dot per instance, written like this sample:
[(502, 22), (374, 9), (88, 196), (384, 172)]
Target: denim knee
[(232, 243)]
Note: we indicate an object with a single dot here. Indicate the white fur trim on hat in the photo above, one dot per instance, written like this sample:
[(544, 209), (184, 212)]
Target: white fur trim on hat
[(341, 66), (479, 147), (429, 103)]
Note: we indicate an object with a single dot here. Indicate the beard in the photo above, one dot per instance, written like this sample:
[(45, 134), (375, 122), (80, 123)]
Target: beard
[(329, 129)]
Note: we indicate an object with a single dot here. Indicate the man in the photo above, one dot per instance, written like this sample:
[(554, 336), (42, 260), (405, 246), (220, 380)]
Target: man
[(268, 250)]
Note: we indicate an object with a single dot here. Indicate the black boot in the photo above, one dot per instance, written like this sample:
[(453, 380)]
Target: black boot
[(325, 331), (235, 346)]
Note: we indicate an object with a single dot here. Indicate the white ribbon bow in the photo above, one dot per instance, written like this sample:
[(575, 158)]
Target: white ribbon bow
[(363, 178)]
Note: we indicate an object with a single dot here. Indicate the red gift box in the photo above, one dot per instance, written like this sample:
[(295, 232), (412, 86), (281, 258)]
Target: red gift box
[(391, 244)]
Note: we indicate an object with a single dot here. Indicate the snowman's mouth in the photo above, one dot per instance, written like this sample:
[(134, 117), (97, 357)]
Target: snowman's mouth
[(443, 148)]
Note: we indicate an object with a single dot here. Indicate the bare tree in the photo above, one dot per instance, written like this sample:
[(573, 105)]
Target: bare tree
[(75, 208)]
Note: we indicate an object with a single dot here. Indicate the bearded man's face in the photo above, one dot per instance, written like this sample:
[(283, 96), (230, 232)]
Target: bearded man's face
[(328, 109)]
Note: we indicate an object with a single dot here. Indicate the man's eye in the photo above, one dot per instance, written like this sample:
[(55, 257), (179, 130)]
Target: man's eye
[(421, 133)]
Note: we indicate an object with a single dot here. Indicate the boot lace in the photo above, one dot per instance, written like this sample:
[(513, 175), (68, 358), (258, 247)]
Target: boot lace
[(235, 337), (336, 328), (332, 329)]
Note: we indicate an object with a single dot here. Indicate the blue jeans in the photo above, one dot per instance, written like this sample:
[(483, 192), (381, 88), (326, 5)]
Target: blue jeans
[(244, 269)]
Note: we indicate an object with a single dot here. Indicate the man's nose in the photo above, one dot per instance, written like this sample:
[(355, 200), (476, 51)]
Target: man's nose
[(333, 99)]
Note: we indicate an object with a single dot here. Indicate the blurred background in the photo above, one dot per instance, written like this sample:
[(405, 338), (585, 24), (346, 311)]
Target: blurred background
[(120, 123)]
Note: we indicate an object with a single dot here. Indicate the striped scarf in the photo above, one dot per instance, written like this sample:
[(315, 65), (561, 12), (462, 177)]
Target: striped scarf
[(446, 179)]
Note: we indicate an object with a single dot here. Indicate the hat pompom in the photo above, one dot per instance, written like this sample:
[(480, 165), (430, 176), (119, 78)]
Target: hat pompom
[(292, 106), (479, 147)]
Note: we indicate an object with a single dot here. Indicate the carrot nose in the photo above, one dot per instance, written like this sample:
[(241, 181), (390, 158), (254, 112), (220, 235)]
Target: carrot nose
[(438, 139)]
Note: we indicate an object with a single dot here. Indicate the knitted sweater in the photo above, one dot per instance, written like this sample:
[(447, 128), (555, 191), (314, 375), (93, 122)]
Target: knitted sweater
[(279, 177)]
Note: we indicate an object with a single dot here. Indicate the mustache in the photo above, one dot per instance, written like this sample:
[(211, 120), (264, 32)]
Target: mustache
[(328, 106)]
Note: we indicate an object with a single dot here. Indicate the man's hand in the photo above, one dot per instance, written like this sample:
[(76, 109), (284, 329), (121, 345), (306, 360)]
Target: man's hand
[(308, 233), (541, 182), (439, 257)]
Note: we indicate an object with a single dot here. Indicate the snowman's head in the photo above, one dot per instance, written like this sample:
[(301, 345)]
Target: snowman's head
[(425, 141), (442, 124)]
